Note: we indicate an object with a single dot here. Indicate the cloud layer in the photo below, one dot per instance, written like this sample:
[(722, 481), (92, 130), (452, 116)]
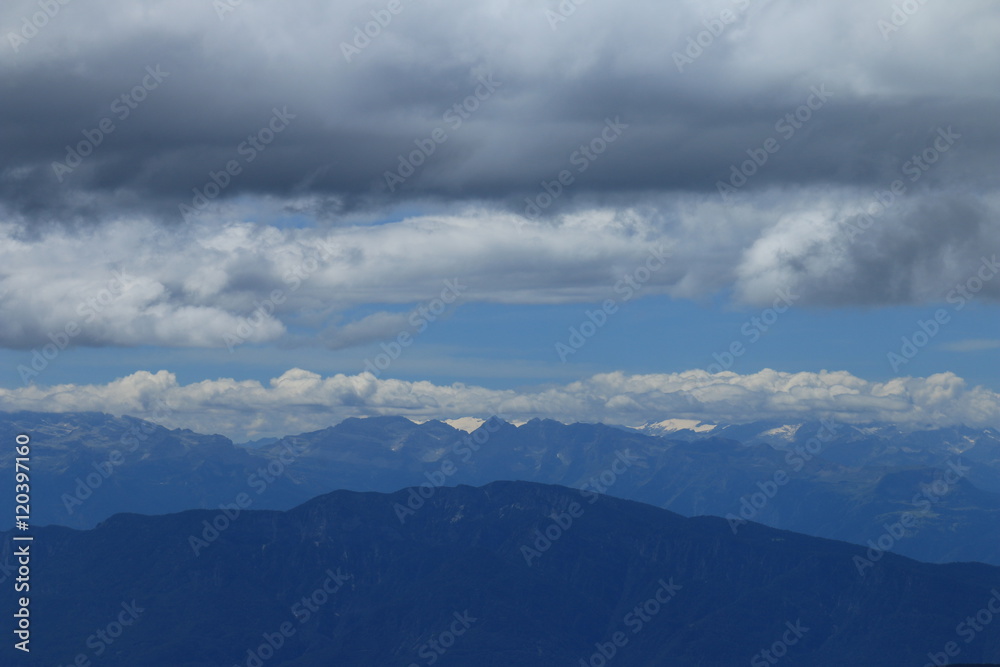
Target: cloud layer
[(300, 400), (558, 81), (226, 149), (226, 284)]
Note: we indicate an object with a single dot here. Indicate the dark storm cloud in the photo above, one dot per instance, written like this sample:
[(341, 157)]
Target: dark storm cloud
[(352, 120)]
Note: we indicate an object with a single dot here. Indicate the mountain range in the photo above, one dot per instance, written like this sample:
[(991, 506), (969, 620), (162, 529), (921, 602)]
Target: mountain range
[(933, 495), (511, 573)]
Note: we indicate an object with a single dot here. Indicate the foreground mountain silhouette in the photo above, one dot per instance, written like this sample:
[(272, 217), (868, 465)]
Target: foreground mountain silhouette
[(856, 482), (512, 573)]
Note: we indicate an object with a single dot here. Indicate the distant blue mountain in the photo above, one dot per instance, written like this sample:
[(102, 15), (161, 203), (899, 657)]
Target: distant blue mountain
[(874, 484)]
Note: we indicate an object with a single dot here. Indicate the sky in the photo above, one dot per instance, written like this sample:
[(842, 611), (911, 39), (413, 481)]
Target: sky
[(260, 218)]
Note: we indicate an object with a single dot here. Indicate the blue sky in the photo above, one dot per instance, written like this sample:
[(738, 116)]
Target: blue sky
[(506, 346)]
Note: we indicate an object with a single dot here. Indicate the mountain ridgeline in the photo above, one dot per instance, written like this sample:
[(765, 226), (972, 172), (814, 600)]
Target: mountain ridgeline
[(933, 495), (511, 573)]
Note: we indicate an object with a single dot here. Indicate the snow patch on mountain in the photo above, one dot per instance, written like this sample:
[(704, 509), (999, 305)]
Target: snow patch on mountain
[(674, 425), (467, 424), (786, 432)]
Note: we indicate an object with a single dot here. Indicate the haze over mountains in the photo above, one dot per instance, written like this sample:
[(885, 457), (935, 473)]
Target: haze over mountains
[(855, 483), (512, 573)]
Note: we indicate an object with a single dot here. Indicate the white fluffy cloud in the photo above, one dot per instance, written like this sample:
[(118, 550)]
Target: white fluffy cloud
[(129, 284), (300, 400)]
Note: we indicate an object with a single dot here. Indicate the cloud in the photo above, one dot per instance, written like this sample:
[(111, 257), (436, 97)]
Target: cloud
[(278, 144), (242, 282), (353, 120), (837, 254), (300, 400), (974, 345), (377, 326), (230, 283)]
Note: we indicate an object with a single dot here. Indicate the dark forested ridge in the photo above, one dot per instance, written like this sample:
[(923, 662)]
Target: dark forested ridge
[(509, 573)]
